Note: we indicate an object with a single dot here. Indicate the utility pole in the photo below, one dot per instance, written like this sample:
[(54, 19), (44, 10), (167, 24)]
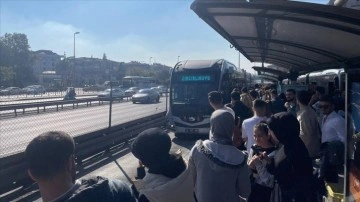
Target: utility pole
[(73, 70)]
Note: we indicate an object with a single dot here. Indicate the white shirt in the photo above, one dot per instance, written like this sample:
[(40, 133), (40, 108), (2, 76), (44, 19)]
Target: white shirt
[(248, 130), (333, 128)]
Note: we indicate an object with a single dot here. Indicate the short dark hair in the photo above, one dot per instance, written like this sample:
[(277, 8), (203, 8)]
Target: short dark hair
[(254, 94), (235, 95), (303, 97), (244, 90), (215, 97), (327, 98), (320, 89), (291, 90), (259, 103), (48, 153)]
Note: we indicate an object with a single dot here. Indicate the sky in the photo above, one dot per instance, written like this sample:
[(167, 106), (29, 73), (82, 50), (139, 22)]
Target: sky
[(148, 31)]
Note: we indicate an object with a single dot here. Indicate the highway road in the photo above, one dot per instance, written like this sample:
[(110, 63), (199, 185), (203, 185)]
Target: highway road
[(15, 133)]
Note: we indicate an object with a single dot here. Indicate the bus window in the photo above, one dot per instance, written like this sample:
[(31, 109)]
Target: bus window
[(138, 81)]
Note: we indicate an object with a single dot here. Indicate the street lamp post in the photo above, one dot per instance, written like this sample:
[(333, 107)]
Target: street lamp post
[(178, 57), (239, 60), (73, 74)]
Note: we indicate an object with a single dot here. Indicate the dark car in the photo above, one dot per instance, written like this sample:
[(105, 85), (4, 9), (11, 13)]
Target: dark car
[(146, 96), (11, 91), (116, 93)]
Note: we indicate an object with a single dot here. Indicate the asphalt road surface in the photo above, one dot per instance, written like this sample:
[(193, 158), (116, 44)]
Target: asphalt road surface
[(16, 132)]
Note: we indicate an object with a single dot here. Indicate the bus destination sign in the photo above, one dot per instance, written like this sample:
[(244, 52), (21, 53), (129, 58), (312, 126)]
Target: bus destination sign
[(195, 78)]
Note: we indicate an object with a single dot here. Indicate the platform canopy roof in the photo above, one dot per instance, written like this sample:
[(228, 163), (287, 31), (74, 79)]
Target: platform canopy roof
[(274, 71), (268, 77), (297, 36)]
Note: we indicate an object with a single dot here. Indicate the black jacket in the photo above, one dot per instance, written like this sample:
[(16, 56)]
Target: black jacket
[(277, 106), (96, 189), (294, 171), (242, 111)]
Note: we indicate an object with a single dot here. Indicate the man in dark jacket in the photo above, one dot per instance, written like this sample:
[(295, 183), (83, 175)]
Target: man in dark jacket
[(276, 104), (241, 110), (51, 164)]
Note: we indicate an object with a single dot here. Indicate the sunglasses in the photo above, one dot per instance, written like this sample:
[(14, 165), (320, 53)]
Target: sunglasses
[(324, 106)]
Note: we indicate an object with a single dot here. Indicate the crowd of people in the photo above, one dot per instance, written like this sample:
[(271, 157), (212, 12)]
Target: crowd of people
[(262, 146)]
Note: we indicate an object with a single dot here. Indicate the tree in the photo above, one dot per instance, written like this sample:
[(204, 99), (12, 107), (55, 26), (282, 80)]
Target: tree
[(6, 76), (14, 54), (63, 68)]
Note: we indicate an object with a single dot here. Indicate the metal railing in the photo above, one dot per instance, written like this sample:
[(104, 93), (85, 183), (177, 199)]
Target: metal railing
[(13, 170), (57, 103)]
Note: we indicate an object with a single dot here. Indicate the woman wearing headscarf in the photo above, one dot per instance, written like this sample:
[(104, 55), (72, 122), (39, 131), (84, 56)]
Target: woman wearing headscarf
[(218, 168), (168, 178), (291, 166)]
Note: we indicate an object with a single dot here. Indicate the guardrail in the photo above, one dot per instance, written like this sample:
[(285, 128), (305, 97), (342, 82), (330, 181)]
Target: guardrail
[(13, 170), (58, 103)]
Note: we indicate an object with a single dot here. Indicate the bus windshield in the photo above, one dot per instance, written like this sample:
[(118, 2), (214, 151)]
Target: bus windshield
[(191, 93)]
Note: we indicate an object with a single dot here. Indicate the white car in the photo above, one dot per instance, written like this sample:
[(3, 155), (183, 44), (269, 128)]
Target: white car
[(116, 93)]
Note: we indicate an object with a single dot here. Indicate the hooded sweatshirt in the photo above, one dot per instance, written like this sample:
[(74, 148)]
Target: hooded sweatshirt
[(218, 168), (159, 188), (167, 178)]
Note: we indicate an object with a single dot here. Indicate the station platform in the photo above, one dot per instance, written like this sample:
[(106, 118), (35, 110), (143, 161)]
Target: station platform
[(118, 163)]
